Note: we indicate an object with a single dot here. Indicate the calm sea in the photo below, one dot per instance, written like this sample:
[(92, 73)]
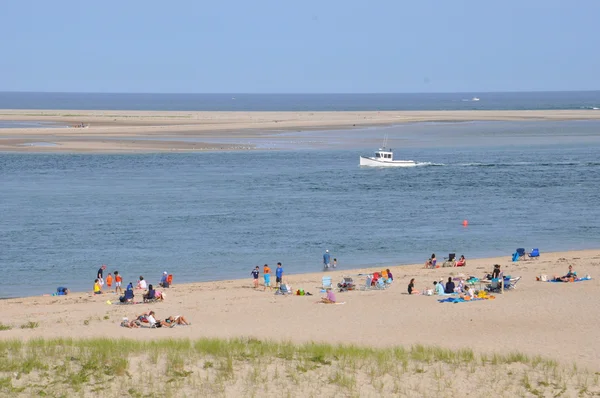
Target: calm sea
[(302, 102), (210, 216)]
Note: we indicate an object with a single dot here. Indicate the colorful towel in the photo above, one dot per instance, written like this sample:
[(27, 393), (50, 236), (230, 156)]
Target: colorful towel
[(458, 300)]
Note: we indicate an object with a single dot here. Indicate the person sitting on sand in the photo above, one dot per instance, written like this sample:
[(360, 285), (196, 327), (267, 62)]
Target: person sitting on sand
[(567, 278), (439, 288), (142, 283), (151, 294), (428, 263), (97, 287), (469, 293), (449, 286), (411, 287), (390, 277), (462, 262), (177, 320), (374, 279), (329, 298)]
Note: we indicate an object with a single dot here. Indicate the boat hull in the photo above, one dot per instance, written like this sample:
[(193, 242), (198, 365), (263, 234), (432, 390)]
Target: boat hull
[(371, 162)]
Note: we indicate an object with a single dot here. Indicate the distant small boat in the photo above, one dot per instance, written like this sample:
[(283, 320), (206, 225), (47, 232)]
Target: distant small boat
[(474, 99)]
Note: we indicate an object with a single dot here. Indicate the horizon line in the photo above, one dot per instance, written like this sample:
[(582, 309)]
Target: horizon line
[(298, 93)]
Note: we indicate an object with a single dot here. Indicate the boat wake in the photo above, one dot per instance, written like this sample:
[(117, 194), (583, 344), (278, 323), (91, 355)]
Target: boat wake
[(521, 164)]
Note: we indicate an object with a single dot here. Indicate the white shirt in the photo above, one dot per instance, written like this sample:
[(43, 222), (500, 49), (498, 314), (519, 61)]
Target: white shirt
[(151, 319), (142, 284)]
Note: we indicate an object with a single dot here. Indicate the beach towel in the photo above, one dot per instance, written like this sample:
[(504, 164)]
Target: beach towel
[(456, 300)]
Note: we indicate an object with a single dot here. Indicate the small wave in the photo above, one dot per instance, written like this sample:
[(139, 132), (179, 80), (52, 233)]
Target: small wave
[(595, 108), (519, 164)]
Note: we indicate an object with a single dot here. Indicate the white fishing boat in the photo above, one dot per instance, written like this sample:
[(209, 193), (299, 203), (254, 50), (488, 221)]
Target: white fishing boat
[(384, 157)]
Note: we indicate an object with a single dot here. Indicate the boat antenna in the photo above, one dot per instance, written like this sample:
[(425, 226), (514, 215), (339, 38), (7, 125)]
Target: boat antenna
[(385, 140)]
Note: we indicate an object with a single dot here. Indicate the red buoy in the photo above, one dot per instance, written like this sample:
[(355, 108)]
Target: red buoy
[(465, 223)]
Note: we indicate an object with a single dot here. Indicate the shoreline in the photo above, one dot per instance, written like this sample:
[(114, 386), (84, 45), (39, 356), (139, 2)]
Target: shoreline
[(152, 131), (533, 318)]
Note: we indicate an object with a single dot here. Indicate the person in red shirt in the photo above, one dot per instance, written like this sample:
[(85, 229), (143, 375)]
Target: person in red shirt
[(109, 280)]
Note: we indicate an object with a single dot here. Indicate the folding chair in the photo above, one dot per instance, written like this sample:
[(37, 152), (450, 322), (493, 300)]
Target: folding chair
[(534, 253), (326, 283)]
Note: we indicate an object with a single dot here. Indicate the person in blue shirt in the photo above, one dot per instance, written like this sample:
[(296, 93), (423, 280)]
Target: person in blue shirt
[(279, 275), (163, 280), (326, 259)]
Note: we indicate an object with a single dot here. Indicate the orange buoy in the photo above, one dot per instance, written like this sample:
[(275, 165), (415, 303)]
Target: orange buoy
[(465, 223)]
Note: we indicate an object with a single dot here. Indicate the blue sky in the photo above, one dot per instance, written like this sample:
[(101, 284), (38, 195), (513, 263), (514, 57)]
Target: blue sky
[(304, 46)]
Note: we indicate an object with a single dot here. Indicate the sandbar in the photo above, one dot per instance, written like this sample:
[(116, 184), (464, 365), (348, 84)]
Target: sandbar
[(172, 131)]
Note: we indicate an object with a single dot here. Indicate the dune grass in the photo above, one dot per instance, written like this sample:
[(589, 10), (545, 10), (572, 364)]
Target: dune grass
[(250, 367)]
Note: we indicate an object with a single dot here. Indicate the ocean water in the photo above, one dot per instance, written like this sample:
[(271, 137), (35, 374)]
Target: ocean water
[(302, 102), (210, 216)]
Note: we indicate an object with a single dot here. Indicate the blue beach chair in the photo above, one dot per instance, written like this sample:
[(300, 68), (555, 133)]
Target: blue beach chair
[(534, 253)]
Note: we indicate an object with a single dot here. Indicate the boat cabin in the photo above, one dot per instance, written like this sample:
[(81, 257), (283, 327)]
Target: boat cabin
[(384, 154)]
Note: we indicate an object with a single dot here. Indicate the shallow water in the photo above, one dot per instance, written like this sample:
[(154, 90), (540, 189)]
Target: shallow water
[(208, 216)]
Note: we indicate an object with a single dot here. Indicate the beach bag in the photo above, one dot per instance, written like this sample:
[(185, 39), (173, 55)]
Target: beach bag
[(429, 292), (544, 278)]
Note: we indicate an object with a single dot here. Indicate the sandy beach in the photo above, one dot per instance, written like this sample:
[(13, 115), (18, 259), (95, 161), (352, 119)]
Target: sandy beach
[(152, 131), (555, 320)]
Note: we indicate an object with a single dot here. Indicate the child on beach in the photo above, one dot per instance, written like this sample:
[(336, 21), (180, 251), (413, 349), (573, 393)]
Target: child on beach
[(255, 272), (334, 262), (118, 281), (279, 275), (97, 287), (109, 280), (267, 276)]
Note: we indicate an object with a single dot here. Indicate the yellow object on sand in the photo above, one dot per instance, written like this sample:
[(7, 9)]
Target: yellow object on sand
[(108, 302)]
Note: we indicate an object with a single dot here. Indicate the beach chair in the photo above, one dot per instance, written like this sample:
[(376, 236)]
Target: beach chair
[(127, 298), (326, 283), (534, 253), (380, 284), (521, 251), (495, 286), (283, 290), (346, 284), (367, 284), (450, 261), (510, 283)]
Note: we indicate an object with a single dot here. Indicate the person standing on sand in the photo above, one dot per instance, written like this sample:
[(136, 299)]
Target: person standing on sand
[(267, 277), (118, 281), (109, 280), (326, 259), (279, 275), (255, 272), (100, 275)]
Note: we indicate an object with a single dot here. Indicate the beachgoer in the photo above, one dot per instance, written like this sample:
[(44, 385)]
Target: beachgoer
[(109, 280), (390, 276), (126, 323), (97, 287), (177, 320), (469, 293), (142, 283), (334, 262), (461, 262), (130, 286), (153, 321), (411, 287), (570, 275), (428, 263), (164, 280), (496, 272), (439, 288), (118, 281), (326, 258), (100, 274), (267, 276), (255, 272), (279, 275), (433, 260), (150, 294), (329, 298), (449, 286)]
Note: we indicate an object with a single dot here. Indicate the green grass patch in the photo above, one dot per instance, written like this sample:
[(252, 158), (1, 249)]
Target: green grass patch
[(5, 327), (30, 325), (250, 367)]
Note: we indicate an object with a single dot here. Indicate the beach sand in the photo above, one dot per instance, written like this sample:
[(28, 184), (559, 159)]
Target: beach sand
[(153, 131), (555, 320)]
